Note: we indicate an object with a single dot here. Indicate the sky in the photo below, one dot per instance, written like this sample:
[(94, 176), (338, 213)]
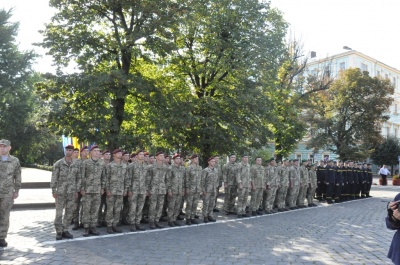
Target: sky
[(323, 26)]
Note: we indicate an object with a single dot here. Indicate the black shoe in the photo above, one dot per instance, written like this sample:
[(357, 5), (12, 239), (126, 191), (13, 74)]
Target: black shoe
[(59, 236), (211, 219), (93, 231), (194, 221), (232, 212), (109, 230), (164, 219), (196, 216), (273, 211), (157, 224), (152, 225), (245, 215), (66, 234), (259, 212), (227, 213), (180, 218), (132, 228), (176, 223), (3, 243), (215, 210), (188, 222), (253, 213), (205, 219), (144, 221), (140, 228), (171, 224), (268, 212), (239, 216), (116, 229)]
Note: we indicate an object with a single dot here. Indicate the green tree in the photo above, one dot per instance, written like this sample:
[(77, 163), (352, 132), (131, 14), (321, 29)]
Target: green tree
[(346, 118), (387, 153), (107, 40)]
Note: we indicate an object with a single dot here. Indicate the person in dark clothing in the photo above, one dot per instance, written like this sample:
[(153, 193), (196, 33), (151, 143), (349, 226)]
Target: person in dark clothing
[(330, 181), (321, 175), (393, 223)]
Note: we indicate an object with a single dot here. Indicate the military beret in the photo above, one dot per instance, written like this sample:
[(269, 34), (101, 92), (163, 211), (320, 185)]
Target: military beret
[(70, 146), (105, 152), (271, 159), (176, 156), (84, 148), (94, 147), (117, 151), (125, 153), (159, 153), (232, 154), (295, 160), (140, 151), (133, 155), (194, 156), (245, 155), (146, 153), (76, 149), (368, 164), (304, 160), (211, 158), (285, 159)]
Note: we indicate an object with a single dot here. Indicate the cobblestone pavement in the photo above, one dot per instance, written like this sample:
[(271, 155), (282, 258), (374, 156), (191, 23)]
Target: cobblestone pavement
[(346, 233)]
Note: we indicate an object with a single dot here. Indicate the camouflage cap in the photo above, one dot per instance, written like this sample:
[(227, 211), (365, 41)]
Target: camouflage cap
[(5, 142)]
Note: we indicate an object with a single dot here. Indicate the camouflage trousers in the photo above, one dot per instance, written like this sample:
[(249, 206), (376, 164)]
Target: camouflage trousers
[(192, 199), (243, 195), (256, 198), (208, 203), (5, 209), (310, 194), (156, 207), (126, 205), (230, 198), (90, 208), (102, 209), (270, 198), (77, 214), (114, 206), (281, 197), (146, 207), (302, 195), (136, 208), (174, 206), (292, 194), (65, 203)]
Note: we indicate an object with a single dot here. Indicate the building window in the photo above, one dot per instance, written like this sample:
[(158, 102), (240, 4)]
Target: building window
[(326, 158), (311, 157), (342, 66), (298, 156), (394, 82), (327, 71), (378, 73), (364, 67)]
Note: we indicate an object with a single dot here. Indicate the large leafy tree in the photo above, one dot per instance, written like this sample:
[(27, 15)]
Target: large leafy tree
[(387, 153), (224, 50), (107, 40), (346, 118)]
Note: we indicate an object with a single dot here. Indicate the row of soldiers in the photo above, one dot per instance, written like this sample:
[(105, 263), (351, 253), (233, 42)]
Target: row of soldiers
[(343, 181)]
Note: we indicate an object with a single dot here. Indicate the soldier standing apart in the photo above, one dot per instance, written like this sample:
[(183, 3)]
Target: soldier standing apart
[(116, 188), (209, 186), (137, 183), (193, 189), (77, 214), (312, 187), (272, 184), (157, 176), (243, 182), (229, 173), (304, 184), (92, 187), (10, 183), (64, 186), (175, 190), (257, 185)]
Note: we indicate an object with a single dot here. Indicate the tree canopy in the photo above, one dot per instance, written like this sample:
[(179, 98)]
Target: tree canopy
[(387, 153), (346, 118)]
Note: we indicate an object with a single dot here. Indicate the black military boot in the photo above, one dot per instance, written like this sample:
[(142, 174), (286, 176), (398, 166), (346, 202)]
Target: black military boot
[(94, 231), (76, 226), (66, 234), (254, 213), (171, 224), (86, 233), (109, 230), (176, 223), (158, 225), (152, 225), (194, 221), (188, 222), (3, 243), (139, 227), (211, 219), (116, 229), (205, 219)]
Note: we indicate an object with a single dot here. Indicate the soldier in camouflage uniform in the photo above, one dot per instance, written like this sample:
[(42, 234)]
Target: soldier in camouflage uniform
[(312, 174), (92, 187), (10, 183), (116, 188), (209, 186), (218, 166), (257, 182), (137, 183), (272, 182), (243, 182), (106, 157), (75, 154), (304, 184), (77, 214), (157, 175), (284, 183), (193, 189), (293, 190), (64, 186), (229, 173), (175, 190)]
